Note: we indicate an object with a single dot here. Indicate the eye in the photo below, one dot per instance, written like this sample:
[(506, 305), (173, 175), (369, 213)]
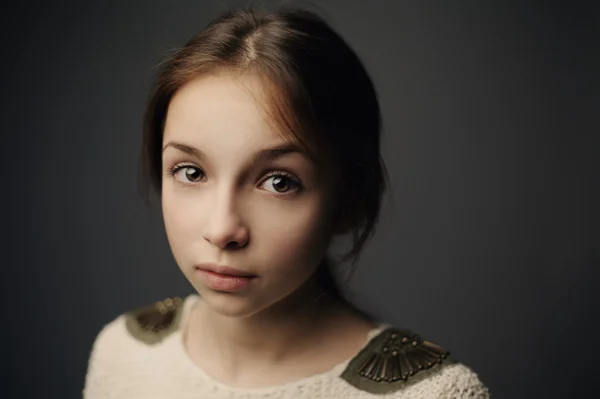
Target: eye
[(281, 183), (187, 173)]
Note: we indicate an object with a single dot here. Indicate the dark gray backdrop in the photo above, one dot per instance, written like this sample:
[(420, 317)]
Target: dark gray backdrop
[(489, 246)]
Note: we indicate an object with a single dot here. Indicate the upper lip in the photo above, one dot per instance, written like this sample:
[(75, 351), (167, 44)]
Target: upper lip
[(225, 270)]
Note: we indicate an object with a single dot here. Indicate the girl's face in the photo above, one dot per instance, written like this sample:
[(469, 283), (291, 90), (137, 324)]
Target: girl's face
[(236, 194)]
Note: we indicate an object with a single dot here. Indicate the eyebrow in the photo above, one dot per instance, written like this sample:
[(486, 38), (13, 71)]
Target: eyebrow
[(184, 148), (267, 154)]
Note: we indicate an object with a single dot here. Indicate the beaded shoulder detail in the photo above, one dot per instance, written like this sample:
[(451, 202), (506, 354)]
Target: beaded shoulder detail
[(151, 324), (391, 360)]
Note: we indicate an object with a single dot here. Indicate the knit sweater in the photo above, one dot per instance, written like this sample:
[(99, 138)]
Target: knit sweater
[(126, 363)]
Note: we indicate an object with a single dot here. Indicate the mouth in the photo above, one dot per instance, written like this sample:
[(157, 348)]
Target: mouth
[(224, 278), (224, 270)]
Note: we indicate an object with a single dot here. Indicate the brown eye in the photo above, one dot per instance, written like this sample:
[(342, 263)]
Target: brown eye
[(281, 184), (188, 174)]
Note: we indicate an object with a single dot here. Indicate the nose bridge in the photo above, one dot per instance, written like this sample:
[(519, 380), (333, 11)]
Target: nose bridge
[(224, 203), (225, 223)]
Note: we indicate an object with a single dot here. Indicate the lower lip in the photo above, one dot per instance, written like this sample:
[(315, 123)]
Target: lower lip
[(224, 282)]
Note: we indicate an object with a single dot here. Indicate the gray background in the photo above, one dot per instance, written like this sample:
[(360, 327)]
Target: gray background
[(489, 246)]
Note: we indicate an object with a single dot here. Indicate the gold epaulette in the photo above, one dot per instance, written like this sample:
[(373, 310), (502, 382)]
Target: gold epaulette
[(393, 359), (151, 324)]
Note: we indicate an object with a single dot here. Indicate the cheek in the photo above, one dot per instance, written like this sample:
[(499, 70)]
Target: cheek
[(294, 235), (287, 236), (180, 227)]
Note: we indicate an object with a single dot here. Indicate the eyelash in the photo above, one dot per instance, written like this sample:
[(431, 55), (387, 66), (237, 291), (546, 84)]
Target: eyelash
[(173, 170)]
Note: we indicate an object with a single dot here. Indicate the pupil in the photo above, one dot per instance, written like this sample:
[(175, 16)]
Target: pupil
[(192, 173), (280, 183)]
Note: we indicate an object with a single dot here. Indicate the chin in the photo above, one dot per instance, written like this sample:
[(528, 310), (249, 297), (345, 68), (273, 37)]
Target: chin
[(230, 304)]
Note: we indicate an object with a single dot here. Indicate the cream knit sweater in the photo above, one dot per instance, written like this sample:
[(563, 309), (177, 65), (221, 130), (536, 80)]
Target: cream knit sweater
[(122, 367)]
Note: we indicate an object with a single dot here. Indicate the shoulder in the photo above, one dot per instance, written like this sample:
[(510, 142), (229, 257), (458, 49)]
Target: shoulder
[(133, 337), (396, 361), (137, 333), (149, 324), (152, 323)]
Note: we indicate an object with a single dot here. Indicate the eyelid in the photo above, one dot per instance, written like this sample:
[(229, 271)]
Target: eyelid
[(181, 164), (278, 172), (175, 167), (287, 175)]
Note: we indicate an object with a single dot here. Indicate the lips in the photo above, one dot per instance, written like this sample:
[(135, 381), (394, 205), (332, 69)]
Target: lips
[(224, 278), (223, 270)]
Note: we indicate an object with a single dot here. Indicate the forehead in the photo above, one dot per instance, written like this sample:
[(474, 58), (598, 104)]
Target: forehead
[(220, 106)]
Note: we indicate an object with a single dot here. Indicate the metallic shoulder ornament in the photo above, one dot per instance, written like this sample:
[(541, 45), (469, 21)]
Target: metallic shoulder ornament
[(151, 324), (392, 360)]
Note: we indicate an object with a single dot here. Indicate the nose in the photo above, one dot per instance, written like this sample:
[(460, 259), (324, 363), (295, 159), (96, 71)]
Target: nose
[(225, 227)]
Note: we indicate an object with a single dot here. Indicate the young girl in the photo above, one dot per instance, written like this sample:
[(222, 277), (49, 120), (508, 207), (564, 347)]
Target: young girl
[(262, 137)]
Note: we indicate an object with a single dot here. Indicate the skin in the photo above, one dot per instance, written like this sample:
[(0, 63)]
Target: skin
[(221, 204)]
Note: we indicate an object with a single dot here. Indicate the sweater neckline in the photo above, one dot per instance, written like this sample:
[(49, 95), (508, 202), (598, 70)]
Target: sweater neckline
[(332, 373)]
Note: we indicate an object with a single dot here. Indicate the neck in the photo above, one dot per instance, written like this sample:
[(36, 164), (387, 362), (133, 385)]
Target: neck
[(284, 333)]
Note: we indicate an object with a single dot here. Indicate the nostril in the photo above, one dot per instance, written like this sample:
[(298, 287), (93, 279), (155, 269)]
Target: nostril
[(234, 245)]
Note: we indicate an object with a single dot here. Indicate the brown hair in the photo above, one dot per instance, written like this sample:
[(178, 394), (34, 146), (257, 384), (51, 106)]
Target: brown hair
[(321, 95)]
